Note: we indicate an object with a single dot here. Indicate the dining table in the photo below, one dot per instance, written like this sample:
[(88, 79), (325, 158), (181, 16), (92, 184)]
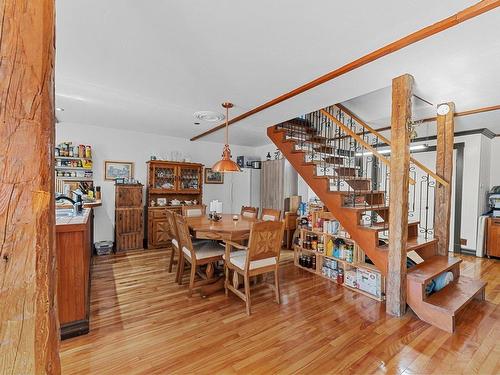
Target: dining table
[(228, 227)]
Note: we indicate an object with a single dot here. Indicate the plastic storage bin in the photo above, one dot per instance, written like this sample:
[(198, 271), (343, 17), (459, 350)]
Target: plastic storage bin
[(103, 247)]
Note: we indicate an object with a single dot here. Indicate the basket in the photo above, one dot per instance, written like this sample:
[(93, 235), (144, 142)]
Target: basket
[(103, 247)]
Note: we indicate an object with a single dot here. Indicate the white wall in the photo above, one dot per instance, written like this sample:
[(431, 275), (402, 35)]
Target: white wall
[(137, 147)]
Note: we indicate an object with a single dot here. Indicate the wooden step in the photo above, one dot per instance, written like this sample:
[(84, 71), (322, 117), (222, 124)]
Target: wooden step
[(414, 244), (381, 227), (334, 159), (347, 171), (455, 296), (359, 183), (432, 267), (364, 208)]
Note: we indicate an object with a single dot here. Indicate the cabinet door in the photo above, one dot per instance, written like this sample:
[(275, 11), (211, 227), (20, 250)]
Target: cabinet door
[(189, 179), (493, 243), (129, 220), (160, 232), (128, 196), (164, 177)]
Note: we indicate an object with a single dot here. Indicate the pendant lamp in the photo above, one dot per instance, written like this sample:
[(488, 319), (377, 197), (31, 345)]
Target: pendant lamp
[(226, 164)]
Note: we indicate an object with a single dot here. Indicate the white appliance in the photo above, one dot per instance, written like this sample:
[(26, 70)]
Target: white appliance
[(245, 189), (481, 232), (494, 201)]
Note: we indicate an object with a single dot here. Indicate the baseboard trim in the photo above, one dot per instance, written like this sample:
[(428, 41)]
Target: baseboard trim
[(73, 329)]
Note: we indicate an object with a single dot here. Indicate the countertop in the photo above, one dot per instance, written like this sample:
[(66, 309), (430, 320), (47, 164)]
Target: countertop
[(74, 220), (96, 203)]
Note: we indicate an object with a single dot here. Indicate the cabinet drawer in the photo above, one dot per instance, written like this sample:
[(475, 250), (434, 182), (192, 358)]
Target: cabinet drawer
[(158, 214)]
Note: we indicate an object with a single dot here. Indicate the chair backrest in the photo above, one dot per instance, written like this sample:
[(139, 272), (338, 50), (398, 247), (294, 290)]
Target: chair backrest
[(184, 236), (249, 212), (269, 214), (194, 211), (173, 228), (265, 241)]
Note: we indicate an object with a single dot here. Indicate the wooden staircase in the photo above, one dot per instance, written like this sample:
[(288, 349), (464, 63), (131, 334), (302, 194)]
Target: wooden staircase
[(311, 146)]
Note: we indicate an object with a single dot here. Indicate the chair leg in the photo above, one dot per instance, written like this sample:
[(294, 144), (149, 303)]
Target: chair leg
[(180, 269), (171, 259), (247, 293), (191, 279), (226, 271), (277, 286)]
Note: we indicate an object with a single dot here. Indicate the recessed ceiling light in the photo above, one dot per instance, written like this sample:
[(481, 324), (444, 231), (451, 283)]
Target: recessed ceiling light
[(209, 116), (443, 109), (59, 109)]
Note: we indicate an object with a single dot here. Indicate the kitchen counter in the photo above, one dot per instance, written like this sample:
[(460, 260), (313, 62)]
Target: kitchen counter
[(74, 255), (74, 220)]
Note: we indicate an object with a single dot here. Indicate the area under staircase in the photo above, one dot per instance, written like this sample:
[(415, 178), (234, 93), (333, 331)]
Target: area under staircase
[(346, 163)]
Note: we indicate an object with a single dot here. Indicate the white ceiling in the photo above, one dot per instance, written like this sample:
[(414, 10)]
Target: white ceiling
[(148, 65)]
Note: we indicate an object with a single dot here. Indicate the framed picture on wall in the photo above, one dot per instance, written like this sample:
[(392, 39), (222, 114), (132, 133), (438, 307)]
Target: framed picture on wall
[(118, 169), (212, 177)]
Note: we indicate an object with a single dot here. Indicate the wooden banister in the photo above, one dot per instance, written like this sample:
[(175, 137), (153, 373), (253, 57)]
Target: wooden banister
[(385, 140), (365, 144)]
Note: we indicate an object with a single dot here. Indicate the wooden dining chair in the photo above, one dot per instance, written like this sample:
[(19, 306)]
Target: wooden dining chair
[(249, 212), (194, 211), (261, 256), (196, 254), (175, 243), (270, 214)]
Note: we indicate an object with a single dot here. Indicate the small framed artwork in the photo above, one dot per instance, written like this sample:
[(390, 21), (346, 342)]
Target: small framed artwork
[(118, 169), (212, 177)]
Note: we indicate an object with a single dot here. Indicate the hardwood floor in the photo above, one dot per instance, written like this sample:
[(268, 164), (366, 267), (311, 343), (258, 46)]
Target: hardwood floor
[(144, 323)]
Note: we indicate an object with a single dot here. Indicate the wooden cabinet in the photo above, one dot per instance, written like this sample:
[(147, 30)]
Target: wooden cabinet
[(159, 234), (74, 252), (493, 237), (169, 182), (129, 217), (168, 177)]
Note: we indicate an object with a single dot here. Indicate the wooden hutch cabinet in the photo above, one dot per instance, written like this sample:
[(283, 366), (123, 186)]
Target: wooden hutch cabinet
[(170, 185)]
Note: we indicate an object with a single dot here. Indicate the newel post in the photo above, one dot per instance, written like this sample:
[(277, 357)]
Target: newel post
[(398, 206), (29, 328), (444, 169)]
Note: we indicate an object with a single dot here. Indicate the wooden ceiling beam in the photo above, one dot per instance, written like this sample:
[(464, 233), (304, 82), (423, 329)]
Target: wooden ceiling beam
[(464, 15)]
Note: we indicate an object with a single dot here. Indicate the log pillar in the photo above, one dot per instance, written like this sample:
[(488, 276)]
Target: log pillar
[(444, 169), (29, 328), (398, 203)]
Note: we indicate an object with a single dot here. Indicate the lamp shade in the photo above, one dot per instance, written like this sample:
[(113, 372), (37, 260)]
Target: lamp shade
[(226, 164)]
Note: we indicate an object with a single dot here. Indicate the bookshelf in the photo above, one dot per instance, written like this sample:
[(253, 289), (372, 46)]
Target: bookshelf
[(349, 258)]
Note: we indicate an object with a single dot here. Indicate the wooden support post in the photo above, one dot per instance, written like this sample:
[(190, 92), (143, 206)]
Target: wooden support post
[(29, 328), (444, 169), (398, 205)]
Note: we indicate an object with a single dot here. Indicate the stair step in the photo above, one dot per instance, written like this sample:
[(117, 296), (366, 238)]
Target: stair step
[(455, 296), (412, 244), (432, 267), (380, 227), (359, 192), (362, 208)]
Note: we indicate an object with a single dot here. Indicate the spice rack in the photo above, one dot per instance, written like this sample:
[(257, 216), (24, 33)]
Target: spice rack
[(356, 272), (73, 165)]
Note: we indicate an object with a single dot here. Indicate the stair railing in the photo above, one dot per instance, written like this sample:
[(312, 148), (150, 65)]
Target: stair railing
[(345, 150)]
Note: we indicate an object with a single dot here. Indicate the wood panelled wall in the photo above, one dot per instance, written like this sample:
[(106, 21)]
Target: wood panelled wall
[(29, 329)]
